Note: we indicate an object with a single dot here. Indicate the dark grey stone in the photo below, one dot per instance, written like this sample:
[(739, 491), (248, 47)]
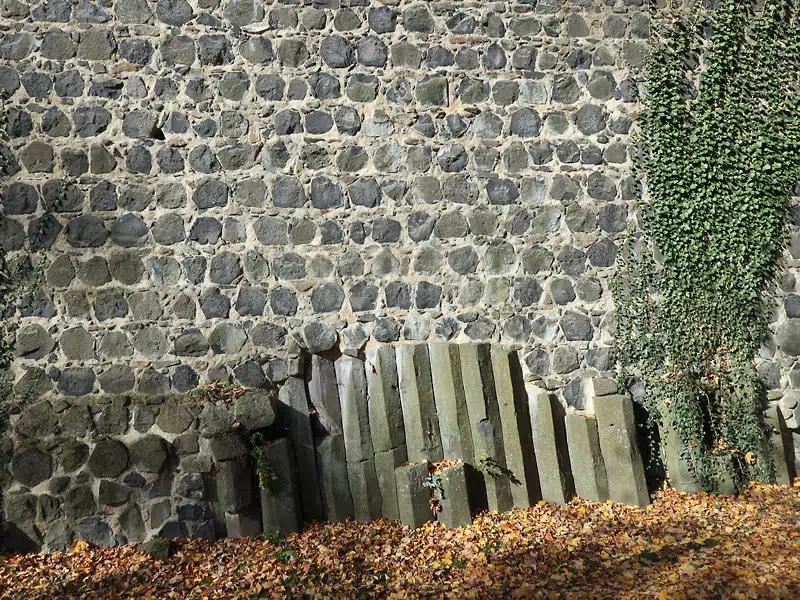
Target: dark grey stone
[(108, 459)]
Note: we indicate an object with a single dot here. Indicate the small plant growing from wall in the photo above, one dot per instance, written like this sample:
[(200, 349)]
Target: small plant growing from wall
[(267, 477), (720, 156), (489, 466)]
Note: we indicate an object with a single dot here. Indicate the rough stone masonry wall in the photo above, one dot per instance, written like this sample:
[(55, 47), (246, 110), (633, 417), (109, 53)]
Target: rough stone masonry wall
[(221, 185)]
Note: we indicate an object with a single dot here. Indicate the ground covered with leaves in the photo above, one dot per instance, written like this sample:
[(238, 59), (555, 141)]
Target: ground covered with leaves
[(682, 546)]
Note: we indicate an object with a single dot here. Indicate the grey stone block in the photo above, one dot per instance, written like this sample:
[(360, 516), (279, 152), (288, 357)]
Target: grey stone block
[(352, 384), (512, 402), (413, 499), (234, 485), (586, 461), (681, 476), (324, 395), (455, 502), (280, 504), (364, 489), (423, 440), (484, 418), (774, 419), (550, 443), (451, 403), (385, 407), (242, 525), (293, 415), (623, 460), (385, 465), (332, 472)]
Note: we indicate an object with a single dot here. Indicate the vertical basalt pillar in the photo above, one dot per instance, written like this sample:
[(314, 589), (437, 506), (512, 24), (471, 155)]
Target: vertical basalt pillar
[(360, 455), (413, 498), (386, 423), (585, 458), (293, 413), (512, 402), (624, 468), (423, 440), (279, 501), (484, 418), (552, 452)]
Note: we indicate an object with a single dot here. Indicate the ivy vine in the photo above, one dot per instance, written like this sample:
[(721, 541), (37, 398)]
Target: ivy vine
[(720, 157)]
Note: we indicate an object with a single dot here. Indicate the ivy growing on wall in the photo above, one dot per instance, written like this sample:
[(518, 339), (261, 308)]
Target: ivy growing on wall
[(720, 156)]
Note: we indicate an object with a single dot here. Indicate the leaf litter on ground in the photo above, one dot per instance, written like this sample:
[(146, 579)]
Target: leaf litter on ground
[(682, 546)]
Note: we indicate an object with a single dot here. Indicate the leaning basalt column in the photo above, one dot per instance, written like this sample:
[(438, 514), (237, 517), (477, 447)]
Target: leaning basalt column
[(419, 406), (617, 429), (455, 508), (385, 423), (552, 453), (512, 402), (774, 419), (293, 412), (329, 440), (413, 498), (451, 402), (484, 418), (588, 467), (360, 455), (681, 475), (279, 501)]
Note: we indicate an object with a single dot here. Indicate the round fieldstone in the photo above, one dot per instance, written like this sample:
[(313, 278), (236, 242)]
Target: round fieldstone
[(190, 342), (74, 455), (576, 326), (283, 302), (108, 459), (227, 338), (76, 381), (77, 343), (148, 454), (86, 231), (34, 342), (117, 379), (319, 337), (31, 466)]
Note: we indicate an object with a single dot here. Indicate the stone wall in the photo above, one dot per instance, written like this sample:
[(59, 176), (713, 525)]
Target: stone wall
[(223, 186)]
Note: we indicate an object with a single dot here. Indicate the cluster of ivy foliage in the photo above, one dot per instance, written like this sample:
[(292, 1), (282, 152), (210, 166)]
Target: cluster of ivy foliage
[(267, 477), (720, 157)]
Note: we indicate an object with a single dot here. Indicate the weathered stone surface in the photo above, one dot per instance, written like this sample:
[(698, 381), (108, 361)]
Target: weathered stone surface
[(337, 501), (586, 460), (485, 422), (515, 421), (679, 471), (550, 444), (781, 454), (421, 423), (455, 508), (31, 466), (352, 388), (451, 403), (281, 503), (623, 460), (148, 454), (293, 410), (234, 485), (412, 497), (108, 459), (385, 408), (323, 394), (385, 465)]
